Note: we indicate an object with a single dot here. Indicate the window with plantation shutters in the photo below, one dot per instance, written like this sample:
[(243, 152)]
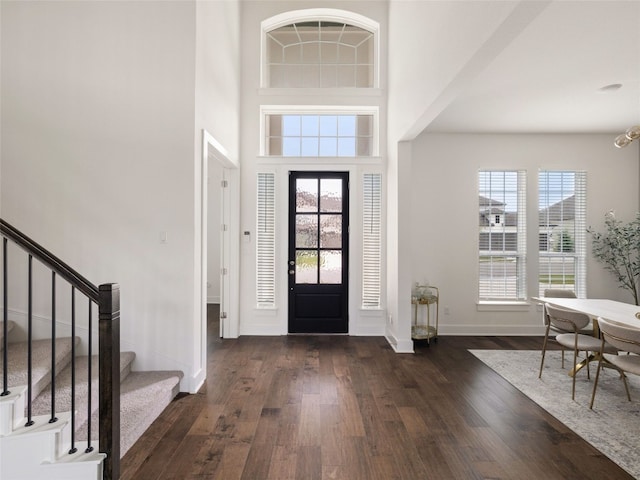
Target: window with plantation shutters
[(502, 235), (372, 239), (265, 241), (562, 231)]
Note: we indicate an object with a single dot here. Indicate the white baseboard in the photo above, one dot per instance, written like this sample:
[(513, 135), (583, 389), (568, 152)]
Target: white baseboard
[(197, 380), (400, 345), (491, 330), (367, 331), (261, 331)]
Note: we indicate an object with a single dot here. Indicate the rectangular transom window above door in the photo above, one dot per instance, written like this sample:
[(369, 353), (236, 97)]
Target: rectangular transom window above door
[(320, 132)]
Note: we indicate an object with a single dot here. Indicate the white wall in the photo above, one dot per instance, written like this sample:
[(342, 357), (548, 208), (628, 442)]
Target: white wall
[(218, 73), (101, 152), (444, 214)]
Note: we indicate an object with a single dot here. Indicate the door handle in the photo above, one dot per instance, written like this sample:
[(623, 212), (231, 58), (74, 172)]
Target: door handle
[(291, 272)]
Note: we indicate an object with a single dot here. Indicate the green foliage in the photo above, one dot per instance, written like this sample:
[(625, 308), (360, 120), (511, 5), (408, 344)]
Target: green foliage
[(618, 248), (564, 242)]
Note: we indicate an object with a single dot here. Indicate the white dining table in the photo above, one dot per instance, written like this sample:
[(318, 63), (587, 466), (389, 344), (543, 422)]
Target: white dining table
[(623, 313)]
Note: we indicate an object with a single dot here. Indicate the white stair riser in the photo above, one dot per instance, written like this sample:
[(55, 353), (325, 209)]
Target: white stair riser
[(37, 455), (74, 469), (12, 411), (31, 448)]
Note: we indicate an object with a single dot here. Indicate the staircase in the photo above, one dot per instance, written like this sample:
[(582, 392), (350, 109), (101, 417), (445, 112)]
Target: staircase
[(64, 415), (42, 450)]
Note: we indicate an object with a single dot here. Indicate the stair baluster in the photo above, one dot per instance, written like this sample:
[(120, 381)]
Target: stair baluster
[(30, 346), (89, 377), (73, 448), (53, 418), (5, 326)]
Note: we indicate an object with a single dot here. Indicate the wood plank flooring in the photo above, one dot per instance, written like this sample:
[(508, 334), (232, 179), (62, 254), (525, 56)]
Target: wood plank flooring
[(349, 408)]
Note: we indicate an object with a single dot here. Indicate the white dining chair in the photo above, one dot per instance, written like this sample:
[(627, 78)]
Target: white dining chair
[(570, 322), (625, 339)]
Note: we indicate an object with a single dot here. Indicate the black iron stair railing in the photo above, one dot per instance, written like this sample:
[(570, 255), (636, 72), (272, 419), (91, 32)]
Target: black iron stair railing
[(107, 299)]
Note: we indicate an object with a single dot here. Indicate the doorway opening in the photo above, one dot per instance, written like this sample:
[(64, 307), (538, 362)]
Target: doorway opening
[(214, 155)]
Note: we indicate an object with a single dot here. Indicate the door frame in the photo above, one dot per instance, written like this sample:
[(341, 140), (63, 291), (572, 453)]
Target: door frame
[(212, 150)]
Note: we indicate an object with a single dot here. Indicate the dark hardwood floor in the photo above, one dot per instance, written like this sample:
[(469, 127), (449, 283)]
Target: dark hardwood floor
[(349, 408)]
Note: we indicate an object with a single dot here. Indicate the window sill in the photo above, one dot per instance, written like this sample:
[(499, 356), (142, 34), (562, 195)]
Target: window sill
[(273, 160), (503, 306), (325, 92)]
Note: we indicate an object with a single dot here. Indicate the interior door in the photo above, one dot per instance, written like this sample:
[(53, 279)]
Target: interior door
[(318, 252)]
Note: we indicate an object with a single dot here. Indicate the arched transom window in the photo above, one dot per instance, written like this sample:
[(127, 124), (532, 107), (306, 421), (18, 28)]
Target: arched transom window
[(319, 54)]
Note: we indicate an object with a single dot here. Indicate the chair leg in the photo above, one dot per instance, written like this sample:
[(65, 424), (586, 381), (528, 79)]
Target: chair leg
[(562, 348), (587, 360), (544, 350), (626, 385), (595, 383), (575, 362)]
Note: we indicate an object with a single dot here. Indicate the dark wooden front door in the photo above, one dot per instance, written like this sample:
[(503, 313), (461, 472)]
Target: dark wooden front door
[(318, 252)]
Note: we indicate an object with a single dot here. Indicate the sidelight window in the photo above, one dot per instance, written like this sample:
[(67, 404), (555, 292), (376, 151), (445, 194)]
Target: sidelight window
[(265, 241)]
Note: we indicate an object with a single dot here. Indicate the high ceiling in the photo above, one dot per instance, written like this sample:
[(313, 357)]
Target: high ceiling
[(550, 78)]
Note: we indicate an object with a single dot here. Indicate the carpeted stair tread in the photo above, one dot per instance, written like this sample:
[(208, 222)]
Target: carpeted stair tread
[(42, 404), (41, 362), (143, 397)]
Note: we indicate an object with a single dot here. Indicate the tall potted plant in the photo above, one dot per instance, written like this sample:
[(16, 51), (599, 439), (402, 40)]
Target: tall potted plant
[(618, 248)]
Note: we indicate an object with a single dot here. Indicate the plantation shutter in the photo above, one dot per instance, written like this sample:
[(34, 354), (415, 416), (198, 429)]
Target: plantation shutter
[(265, 241), (562, 231), (372, 239)]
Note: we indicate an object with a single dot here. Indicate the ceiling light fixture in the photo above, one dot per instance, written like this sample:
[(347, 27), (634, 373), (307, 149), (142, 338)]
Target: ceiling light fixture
[(632, 133)]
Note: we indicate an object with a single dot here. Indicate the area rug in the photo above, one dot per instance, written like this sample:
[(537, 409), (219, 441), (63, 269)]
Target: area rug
[(613, 426)]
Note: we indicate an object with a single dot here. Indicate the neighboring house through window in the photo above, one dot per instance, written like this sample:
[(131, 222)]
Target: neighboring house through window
[(502, 235), (562, 231)]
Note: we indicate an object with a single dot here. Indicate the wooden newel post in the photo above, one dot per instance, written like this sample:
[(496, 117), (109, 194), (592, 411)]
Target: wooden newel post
[(109, 407)]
